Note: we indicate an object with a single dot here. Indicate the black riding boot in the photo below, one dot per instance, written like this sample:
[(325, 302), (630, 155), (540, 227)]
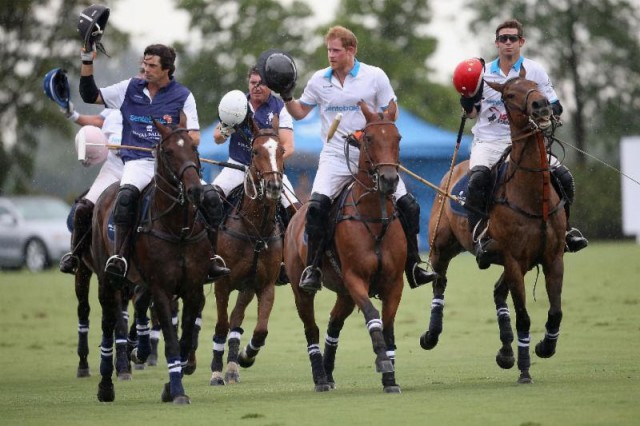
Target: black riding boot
[(81, 237), (213, 213), (124, 218), (317, 218), (565, 185), (477, 196), (409, 210), (285, 216)]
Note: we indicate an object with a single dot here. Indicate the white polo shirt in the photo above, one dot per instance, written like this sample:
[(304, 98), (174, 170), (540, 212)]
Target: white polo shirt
[(492, 122), (364, 82)]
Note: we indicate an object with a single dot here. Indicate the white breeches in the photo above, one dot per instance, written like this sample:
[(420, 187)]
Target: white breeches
[(110, 172), (138, 172), (487, 153)]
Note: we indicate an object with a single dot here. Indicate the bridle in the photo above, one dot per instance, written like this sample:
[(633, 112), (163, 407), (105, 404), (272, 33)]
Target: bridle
[(252, 173), (373, 170), (174, 180)]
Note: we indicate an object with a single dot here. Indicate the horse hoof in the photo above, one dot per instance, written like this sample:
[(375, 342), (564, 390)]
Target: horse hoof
[(427, 342), (384, 366), (83, 372), (189, 369), (326, 387), (244, 361), (232, 377), (505, 362), (525, 378), (152, 361), (125, 376), (542, 353), (138, 366), (166, 393), (216, 381), (392, 389), (181, 400), (106, 392)]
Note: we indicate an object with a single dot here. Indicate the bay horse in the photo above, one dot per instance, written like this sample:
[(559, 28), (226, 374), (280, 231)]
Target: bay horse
[(170, 254), (250, 241), (365, 257), (526, 221)]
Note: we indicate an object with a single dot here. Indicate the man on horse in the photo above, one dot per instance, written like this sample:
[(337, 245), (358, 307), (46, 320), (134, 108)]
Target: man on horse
[(235, 126), (492, 134), (338, 89), (159, 96)]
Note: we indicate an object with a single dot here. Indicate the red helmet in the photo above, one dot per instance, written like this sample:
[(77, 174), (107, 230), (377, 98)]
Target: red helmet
[(467, 77)]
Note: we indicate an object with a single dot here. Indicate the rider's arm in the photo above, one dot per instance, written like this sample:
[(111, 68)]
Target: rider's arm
[(297, 109)]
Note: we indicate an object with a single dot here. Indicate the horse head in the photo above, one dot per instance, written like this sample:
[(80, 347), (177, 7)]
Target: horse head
[(264, 176), (178, 163), (524, 103), (380, 147)]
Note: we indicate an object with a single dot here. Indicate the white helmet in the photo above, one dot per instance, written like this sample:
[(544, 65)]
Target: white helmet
[(91, 146), (232, 108)]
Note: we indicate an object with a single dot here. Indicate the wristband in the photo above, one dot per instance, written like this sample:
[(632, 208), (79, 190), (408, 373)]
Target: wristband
[(74, 116)]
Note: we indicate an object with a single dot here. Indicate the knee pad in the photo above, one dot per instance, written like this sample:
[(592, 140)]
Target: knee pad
[(409, 210), (124, 211), (564, 183), (212, 206), (480, 178), (317, 214)]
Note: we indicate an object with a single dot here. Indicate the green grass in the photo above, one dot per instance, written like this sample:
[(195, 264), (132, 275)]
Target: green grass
[(594, 378)]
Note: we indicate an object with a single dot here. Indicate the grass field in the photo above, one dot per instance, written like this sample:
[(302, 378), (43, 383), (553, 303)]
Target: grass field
[(594, 378)]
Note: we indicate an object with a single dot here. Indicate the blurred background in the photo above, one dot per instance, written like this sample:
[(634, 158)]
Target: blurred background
[(591, 49)]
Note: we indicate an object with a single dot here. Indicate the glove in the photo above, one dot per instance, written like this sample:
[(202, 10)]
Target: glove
[(287, 93), (469, 103), (70, 113), (88, 56), (226, 130)]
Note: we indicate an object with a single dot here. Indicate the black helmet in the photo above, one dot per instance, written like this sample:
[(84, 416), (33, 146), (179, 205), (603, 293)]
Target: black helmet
[(277, 69), (91, 25)]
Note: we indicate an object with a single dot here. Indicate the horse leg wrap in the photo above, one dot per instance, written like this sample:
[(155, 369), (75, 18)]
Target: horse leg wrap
[(317, 369), (437, 313), (524, 360), (504, 324), (122, 358), (175, 377), (106, 357), (218, 353), (251, 350), (234, 349), (83, 340), (329, 356), (144, 342)]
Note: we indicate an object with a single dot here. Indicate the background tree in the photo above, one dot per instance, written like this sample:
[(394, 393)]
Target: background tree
[(35, 36), (233, 34)]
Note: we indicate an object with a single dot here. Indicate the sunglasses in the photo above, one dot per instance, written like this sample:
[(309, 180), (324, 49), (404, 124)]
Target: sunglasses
[(511, 37)]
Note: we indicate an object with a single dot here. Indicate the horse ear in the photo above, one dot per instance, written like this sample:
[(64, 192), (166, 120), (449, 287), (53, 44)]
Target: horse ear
[(391, 111), (161, 127), (495, 86), (368, 115), (254, 127), (183, 120), (523, 72), (275, 123)]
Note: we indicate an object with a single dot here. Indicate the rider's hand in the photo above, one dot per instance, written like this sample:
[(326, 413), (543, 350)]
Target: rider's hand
[(468, 103), (88, 56), (70, 113), (287, 93), (226, 130)]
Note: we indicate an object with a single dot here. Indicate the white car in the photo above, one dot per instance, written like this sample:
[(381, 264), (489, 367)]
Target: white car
[(33, 231)]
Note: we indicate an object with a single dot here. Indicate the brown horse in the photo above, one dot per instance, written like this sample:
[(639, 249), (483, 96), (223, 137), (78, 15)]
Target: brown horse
[(250, 241), (170, 255), (366, 257), (527, 222)]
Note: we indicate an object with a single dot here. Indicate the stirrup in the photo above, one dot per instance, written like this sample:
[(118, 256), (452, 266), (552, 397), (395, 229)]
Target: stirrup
[(574, 241), (69, 263), (418, 276), (216, 271), (116, 265), (311, 279)]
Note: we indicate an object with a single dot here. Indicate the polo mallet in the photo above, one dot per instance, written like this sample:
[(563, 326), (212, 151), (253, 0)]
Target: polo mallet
[(82, 154), (463, 119), (334, 126)]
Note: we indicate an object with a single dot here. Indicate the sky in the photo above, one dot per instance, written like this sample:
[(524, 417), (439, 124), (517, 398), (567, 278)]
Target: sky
[(449, 25)]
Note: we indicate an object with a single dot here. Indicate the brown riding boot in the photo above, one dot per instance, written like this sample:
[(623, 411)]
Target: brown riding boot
[(80, 238)]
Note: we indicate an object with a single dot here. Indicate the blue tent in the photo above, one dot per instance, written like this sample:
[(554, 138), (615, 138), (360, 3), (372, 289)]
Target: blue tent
[(425, 149)]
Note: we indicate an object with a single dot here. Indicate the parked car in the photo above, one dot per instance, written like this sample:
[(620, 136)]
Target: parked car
[(33, 231)]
